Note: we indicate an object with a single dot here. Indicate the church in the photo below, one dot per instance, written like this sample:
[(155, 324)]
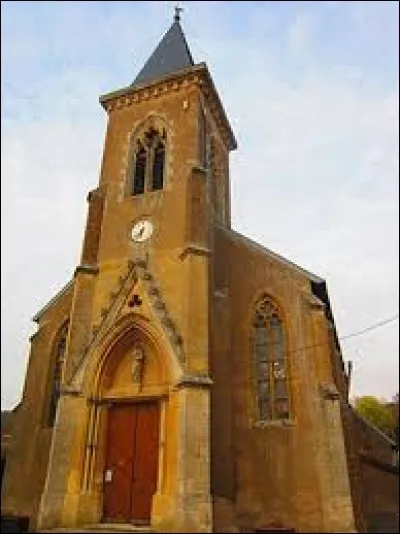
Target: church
[(186, 378)]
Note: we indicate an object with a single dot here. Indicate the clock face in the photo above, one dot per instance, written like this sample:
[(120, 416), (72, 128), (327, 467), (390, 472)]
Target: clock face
[(142, 230)]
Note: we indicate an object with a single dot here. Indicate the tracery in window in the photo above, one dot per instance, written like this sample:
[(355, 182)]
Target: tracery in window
[(149, 161), (270, 362), (59, 355)]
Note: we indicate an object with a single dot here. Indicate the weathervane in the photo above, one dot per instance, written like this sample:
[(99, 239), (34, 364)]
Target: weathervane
[(178, 9)]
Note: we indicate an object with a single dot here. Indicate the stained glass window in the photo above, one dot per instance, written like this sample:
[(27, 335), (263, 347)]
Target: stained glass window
[(270, 362), (59, 356)]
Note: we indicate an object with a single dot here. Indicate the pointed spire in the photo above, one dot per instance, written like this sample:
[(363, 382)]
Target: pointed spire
[(172, 54)]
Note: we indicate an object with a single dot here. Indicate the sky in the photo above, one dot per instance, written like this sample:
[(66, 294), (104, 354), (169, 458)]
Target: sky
[(312, 93)]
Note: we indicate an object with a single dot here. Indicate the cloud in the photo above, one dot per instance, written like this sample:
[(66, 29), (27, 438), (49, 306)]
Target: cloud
[(300, 34)]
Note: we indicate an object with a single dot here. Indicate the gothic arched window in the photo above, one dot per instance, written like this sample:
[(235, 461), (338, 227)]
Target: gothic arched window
[(149, 161), (270, 362), (59, 357)]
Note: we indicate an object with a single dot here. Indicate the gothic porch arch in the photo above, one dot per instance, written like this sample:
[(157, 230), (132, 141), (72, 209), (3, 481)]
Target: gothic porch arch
[(109, 381), (93, 376)]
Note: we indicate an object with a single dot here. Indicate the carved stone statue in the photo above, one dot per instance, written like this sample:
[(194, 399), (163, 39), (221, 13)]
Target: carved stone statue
[(137, 364)]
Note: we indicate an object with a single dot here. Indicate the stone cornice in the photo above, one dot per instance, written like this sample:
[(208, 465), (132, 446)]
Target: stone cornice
[(197, 75), (166, 83)]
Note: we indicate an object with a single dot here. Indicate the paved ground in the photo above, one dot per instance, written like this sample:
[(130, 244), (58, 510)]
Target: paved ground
[(9, 526), (104, 528), (382, 523)]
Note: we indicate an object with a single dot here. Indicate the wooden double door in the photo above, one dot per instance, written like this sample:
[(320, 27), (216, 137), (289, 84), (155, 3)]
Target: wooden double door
[(131, 464)]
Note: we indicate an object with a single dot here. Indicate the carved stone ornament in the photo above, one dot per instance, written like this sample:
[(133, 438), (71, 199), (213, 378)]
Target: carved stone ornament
[(137, 364)]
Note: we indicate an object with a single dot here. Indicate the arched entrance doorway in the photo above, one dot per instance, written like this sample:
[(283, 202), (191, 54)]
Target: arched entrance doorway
[(128, 421)]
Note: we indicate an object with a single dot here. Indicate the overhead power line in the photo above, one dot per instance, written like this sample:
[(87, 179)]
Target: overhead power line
[(372, 327), (347, 336)]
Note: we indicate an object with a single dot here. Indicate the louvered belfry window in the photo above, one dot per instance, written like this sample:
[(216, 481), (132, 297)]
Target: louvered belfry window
[(158, 166), (270, 362), (140, 169), (149, 162)]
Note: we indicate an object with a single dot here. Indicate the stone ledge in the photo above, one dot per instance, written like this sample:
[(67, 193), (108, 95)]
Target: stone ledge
[(199, 169), (189, 380), (70, 392), (195, 250), (329, 391), (87, 269), (278, 423)]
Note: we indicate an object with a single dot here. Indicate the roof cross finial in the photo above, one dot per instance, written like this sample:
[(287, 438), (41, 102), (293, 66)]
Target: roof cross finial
[(177, 16)]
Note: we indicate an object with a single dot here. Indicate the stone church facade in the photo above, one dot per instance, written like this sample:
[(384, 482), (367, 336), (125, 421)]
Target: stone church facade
[(186, 378)]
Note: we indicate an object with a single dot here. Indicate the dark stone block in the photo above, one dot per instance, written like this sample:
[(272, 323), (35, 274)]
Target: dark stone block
[(14, 524)]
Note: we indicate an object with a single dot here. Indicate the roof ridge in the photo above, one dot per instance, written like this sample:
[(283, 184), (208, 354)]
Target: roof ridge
[(52, 300), (271, 253)]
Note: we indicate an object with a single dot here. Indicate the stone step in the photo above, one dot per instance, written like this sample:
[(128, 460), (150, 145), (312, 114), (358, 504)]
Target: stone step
[(119, 528)]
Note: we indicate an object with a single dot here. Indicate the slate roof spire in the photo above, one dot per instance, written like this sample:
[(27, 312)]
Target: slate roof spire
[(172, 54)]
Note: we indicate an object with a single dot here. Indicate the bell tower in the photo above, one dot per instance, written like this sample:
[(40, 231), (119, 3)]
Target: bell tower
[(164, 179), (168, 123)]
